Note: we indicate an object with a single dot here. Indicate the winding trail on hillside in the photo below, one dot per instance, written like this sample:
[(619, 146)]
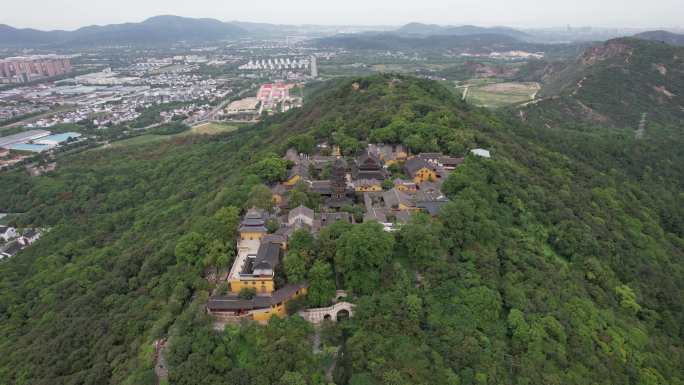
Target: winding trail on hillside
[(160, 368), (641, 131), (580, 84)]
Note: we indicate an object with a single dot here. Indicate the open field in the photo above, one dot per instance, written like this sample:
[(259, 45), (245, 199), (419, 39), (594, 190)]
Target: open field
[(213, 128), (141, 139), (502, 94)]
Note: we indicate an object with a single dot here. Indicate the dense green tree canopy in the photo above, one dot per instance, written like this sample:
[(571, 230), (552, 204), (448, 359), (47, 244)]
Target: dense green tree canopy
[(361, 254)]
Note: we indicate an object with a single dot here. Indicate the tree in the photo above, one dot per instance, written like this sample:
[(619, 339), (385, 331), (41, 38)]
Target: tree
[(465, 225), (386, 134), (321, 284), (302, 241), (362, 252), (414, 143), (348, 144), (393, 377), (272, 225), (420, 240), (210, 228), (303, 143), (218, 255), (356, 211), (270, 169), (627, 299), (297, 198), (260, 196), (295, 266), (191, 249), (229, 217), (326, 242), (292, 378)]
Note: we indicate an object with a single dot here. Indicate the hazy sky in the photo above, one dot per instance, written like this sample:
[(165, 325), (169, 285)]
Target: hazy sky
[(71, 14)]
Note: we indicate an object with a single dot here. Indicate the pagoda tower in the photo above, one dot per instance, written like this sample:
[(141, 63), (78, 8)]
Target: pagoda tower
[(338, 184)]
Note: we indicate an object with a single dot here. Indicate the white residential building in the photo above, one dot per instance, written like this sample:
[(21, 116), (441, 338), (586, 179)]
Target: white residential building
[(481, 152), (7, 233)]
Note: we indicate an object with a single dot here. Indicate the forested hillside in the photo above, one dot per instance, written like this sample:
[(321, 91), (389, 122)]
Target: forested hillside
[(558, 261), (483, 42), (613, 84), (662, 36)]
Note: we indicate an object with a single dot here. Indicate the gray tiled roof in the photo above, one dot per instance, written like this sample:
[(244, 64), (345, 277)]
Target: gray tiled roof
[(235, 303), (11, 248), (268, 257), (301, 210), (414, 164), (301, 170), (393, 198), (254, 221)]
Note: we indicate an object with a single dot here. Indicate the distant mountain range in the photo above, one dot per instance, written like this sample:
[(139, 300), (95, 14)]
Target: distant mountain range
[(433, 36), (171, 29), (483, 43), (159, 29), (662, 36), (418, 29)]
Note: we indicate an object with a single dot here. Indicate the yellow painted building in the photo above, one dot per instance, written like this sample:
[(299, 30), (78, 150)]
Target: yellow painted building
[(278, 309), (425, 174), (299, 173), (256, 271), (251, 236), (293, 180), (368, 185), (277, 199), (261, 285), (421, 171), (405, 186), (254, 268), (260, 308)]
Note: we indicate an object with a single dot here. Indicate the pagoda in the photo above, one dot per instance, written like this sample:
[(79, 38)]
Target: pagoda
[(338, 184)]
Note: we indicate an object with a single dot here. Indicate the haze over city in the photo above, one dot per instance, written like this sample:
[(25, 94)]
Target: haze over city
[(70, 14)]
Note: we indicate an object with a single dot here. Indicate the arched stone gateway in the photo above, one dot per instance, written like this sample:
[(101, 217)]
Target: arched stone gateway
[(336, 312), (342, 315)]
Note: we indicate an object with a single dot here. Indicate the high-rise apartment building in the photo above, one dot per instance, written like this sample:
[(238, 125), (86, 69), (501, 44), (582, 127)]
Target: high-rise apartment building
[(28, 68), (314, 67)]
